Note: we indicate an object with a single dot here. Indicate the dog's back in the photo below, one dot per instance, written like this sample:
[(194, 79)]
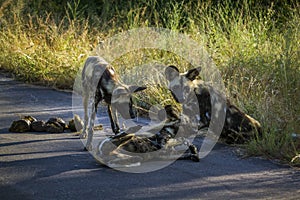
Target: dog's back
[(96, 72)]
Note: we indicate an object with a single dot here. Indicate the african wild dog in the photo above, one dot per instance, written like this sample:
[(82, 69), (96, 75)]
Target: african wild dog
[(100, 82), (121, 149), (238, 126)]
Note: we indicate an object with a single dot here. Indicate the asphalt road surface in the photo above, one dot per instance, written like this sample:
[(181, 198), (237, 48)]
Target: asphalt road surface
[(54, 166)]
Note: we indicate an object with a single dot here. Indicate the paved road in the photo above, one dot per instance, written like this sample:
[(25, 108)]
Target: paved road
[(53, 166)]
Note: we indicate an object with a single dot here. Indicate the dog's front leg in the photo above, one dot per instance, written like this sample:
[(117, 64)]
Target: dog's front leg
[(113, 119)]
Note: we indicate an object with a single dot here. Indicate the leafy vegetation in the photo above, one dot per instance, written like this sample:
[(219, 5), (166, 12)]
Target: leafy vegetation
[(255, 45)]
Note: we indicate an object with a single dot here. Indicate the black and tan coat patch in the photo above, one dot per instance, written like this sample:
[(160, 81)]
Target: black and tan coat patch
[(100, 82), (238, 126), (127, 149)]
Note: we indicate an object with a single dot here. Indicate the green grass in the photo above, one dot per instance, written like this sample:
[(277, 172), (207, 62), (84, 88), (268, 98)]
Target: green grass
[(255, 45)]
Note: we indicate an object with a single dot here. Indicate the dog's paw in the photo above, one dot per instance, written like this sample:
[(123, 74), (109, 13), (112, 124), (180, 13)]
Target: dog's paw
[(195, 158), (88, 148)]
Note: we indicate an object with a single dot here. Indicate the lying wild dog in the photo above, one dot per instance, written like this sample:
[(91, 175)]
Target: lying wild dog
[(130, 149), (100, 82), (238, 126)]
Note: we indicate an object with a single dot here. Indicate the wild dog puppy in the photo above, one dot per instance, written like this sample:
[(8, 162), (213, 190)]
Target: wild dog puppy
[(130, 150), (238, 126), (99, 81)]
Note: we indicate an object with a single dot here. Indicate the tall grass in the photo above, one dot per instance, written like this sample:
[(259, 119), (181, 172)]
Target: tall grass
[(255, 45), (41, 49)]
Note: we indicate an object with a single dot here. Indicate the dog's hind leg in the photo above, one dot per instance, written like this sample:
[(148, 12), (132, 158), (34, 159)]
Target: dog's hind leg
[(86, 118), (88, 145), (97, 99)]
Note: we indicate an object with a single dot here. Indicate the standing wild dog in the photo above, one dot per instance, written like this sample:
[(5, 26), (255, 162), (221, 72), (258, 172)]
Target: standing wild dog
[(100, 82), (238, 126), (127, 149)]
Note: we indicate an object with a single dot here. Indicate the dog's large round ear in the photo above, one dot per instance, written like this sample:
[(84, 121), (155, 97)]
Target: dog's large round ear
[(193, 73), (134, 88), (171, 72)]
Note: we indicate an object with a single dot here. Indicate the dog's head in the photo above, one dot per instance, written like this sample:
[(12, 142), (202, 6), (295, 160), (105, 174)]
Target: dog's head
[(122, 99), (180, 83)]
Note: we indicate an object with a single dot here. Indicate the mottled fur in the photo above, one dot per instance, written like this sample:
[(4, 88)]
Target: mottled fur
[(238, 126), (100, 82), (129, 149)]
